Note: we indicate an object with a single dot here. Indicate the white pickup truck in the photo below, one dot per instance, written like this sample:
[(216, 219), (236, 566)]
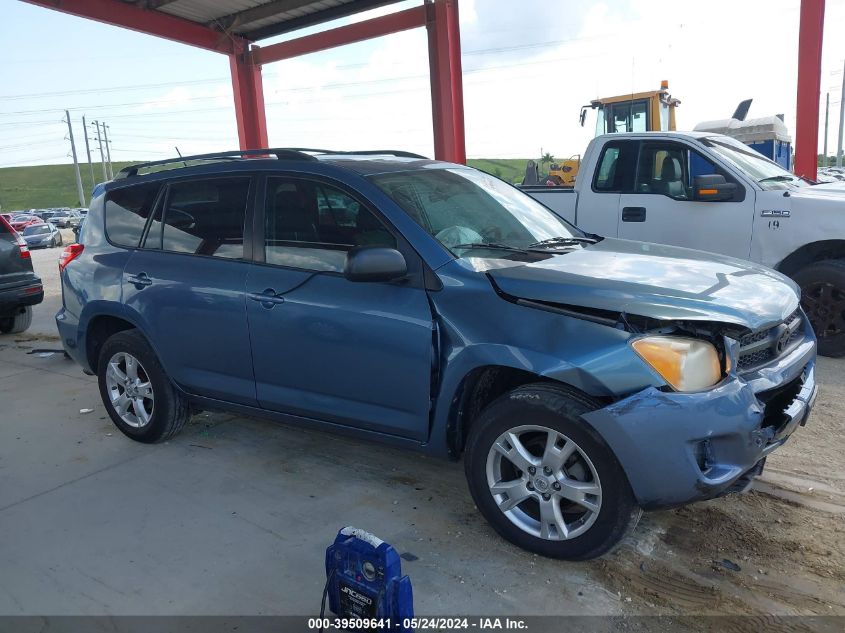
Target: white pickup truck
[(712, 193)]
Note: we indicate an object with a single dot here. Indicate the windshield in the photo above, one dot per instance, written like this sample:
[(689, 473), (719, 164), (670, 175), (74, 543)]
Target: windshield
[(36, 230), (765, 173), (22, 218), (464, 208)]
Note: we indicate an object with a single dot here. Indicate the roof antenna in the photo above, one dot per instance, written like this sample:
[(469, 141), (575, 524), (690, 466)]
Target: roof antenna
[(184, 162)]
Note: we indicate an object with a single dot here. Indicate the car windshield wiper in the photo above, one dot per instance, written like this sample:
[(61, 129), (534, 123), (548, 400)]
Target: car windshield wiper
[(778, 178), (554, 241), (491, 245)]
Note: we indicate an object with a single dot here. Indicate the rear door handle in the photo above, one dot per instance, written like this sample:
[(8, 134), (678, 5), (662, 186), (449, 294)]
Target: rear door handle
[(140, 280), (267, 299), (633, 214)]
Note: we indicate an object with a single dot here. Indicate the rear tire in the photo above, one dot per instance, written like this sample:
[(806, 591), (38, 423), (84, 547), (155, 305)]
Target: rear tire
[(140, 398), (823, 299), (571, 465), (17, 323)]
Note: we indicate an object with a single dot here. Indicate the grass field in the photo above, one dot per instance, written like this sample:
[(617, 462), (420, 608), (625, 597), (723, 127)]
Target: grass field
[(42, 186)]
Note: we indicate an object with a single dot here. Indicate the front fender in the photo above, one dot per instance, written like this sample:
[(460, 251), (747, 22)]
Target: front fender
[(590, 357)]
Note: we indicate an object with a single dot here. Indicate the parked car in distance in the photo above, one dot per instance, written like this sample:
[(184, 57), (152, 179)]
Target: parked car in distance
[(21, 221), (42, 235), (713, 193), (20, 287), (428, 305), (63, 218)]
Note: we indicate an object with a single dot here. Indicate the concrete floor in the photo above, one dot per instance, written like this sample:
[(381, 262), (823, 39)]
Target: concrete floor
[(233, 517)]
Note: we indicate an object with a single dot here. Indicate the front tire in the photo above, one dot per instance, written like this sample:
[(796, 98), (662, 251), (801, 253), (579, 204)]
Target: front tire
[(823, 299), (544, 479), (137, 393), (18, 322)]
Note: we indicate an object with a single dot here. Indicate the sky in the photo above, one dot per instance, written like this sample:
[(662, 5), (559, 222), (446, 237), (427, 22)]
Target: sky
[(529, 65)]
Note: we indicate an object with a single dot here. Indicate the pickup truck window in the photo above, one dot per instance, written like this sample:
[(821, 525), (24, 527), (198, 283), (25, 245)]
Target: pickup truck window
[(616, 167), (461, 207), (767, 174), (312, 225)]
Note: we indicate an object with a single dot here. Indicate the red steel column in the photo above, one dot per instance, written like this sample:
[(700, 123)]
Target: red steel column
[(447, 90), (248, 89), (809, 88)]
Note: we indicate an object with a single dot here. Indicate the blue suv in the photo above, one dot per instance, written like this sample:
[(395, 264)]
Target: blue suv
[(432, 306)]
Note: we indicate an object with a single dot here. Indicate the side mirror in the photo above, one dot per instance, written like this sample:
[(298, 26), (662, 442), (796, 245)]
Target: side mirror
[(712, 188), (583, 116), (374, 263)]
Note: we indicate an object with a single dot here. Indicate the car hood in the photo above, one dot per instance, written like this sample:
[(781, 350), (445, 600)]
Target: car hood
[(653, 280)]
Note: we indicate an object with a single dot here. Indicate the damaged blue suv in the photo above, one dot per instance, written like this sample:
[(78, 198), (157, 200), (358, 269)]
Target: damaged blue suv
[(429, 305)]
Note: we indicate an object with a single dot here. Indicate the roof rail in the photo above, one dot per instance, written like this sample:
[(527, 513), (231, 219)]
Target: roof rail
[(281, 153), (366, 152)]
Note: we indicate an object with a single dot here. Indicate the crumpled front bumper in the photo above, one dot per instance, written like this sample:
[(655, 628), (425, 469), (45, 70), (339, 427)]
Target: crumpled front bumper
[(681, 447)]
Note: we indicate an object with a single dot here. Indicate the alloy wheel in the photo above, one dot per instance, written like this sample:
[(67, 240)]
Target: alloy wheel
[(543, 482), (130, 390)]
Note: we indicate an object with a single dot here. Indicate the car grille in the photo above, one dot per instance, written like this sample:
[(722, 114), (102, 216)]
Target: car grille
[(759, 348)]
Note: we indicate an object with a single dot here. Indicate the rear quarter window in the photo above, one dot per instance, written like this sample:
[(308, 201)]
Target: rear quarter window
[(127, 211)]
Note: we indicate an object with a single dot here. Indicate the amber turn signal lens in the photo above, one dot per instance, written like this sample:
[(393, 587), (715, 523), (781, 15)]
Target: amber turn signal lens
[(687, 364)]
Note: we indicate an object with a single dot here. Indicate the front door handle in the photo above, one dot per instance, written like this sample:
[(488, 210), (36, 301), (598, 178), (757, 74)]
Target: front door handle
[(633, 214), (140, 280), (267, 299)]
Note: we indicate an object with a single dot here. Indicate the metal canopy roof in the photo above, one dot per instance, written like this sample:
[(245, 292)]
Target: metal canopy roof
[(258, 19)]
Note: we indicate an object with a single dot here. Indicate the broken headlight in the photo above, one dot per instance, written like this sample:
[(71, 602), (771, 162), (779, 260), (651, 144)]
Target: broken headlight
[(687, 364)]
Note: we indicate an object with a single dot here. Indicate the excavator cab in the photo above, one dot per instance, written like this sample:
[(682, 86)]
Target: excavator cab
[(652, 111)]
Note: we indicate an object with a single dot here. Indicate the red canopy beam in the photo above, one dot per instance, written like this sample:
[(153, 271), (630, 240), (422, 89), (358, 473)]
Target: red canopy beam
[(156, 23), (809, 88), (358, 32), (447, 88), (248, 89)]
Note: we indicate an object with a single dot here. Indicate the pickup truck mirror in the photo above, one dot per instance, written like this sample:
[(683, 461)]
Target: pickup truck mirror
[(374, 263), (712, 188)]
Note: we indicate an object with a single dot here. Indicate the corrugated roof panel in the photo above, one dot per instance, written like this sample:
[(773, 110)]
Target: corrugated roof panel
[(314, 7), (205, 11), (259, 24)]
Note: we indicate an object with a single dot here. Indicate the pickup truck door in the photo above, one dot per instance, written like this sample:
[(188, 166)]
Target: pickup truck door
[(658, 206), (358, 354)]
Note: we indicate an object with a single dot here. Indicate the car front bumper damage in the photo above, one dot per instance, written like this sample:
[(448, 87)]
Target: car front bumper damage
[(681, 447)]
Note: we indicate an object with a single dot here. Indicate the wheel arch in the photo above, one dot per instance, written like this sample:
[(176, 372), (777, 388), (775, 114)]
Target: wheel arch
[(481, 386), (810, 253), (98, 330)]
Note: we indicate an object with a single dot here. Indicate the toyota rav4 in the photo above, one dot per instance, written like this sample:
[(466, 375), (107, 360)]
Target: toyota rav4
[(428, 305)]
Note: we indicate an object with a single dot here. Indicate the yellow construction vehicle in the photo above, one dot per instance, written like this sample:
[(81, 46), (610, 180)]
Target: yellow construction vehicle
[(652, 111)]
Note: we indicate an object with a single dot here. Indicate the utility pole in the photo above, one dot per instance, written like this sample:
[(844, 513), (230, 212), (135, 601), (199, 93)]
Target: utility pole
[(75, 161), (102, 156), (826, 117), (88, 153), (108, 151), (841, 121)]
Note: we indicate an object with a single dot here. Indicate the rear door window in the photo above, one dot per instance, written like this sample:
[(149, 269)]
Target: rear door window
[(127, 211), (203, 217)]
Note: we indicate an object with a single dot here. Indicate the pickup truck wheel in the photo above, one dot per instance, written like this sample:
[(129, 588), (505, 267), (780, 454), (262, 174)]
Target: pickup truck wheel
[(137, 393), (544, 479), (18, 322), (823, 299)]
